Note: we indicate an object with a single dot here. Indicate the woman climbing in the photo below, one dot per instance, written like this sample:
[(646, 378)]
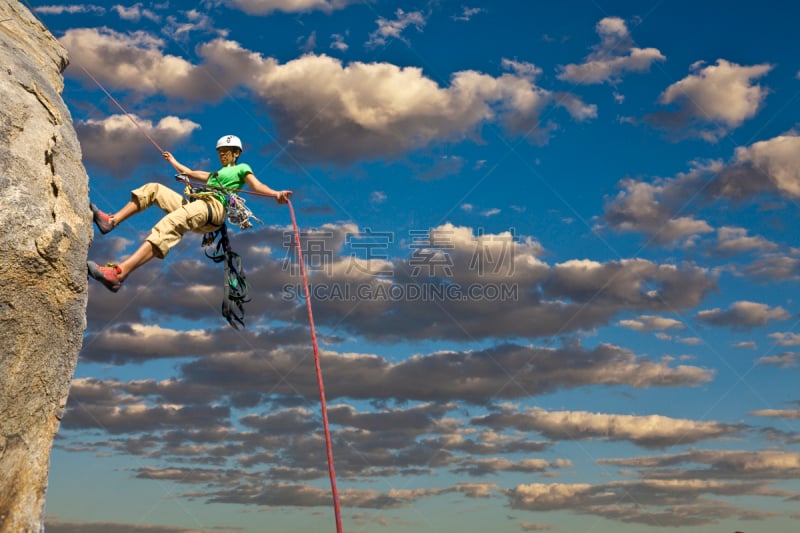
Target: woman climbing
[(205, 214)]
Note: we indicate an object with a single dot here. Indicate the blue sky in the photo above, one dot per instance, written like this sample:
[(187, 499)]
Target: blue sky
[(551, 251)]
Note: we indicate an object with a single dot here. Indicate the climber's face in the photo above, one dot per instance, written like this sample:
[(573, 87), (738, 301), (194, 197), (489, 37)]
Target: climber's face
[(227, 156)]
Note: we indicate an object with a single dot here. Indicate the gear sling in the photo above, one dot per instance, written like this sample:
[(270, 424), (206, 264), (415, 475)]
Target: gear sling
[(236, 292)]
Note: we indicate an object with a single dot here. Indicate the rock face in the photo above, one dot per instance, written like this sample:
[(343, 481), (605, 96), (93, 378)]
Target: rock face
[(45, 231)]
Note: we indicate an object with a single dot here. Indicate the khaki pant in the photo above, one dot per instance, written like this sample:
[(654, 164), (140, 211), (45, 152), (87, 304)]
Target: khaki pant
[(200, 216)]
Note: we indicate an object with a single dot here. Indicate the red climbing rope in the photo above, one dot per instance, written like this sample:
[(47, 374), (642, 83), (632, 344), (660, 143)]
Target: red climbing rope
[(336, 509)]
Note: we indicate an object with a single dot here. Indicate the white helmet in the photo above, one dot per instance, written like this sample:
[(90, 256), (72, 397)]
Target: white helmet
[(230, 140)]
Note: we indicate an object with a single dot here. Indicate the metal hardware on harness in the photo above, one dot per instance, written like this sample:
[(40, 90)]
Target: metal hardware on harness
[(236, 209), (238, 213)]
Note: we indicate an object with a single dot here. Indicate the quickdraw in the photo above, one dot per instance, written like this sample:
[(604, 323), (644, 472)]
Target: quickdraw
[(239, 213)]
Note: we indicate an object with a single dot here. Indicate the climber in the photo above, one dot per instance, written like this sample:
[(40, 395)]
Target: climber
[(205, 214)]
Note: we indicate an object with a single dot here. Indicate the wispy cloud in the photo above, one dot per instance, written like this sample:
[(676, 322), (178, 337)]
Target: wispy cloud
[(70, 10), (743, 315), (615, 55), (135, 13), (651, 323), (467, 13), (650, 431), (267, 7), (393, 29)]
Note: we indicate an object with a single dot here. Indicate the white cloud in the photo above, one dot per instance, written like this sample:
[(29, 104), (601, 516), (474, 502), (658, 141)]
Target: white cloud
[(651, 323), (135, 13), (720, 464), (194, 20), (662, 209), (639, 207), (732, 240), (338, 42), (117, 144), (642, 502), (482, 375), (467, 13), (776, 160), (652, 431), (543, 496), (748, 345), (786, 414), (743, 314), (689, 481), (362, 111), (497, 286), (784, 360), (393, 29), (367, 110), (266, 7), (713, 99), (72, 10), (307, 44), (481, 467), (613, 56), (377, 197), (628, 279), (774, 267), (135, 61), (787, 338)]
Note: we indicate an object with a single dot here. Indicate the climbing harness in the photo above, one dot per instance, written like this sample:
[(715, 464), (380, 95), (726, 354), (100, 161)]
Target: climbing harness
[(235, 284), (236, 210)]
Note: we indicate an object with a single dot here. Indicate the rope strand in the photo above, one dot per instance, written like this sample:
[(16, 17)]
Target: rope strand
[(328, 447), (331, 472), (160, 150)]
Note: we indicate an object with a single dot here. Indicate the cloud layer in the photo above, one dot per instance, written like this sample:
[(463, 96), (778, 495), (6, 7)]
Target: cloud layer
[(362, 111)]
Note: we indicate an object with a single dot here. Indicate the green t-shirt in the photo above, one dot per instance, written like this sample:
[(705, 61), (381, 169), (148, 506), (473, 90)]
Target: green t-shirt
[(229, 178)]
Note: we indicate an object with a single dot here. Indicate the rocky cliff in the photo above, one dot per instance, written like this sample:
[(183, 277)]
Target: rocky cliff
[(44, 237)]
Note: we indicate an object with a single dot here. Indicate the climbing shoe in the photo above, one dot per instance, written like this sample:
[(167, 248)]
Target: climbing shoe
[(107, 275), (104, 221)]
